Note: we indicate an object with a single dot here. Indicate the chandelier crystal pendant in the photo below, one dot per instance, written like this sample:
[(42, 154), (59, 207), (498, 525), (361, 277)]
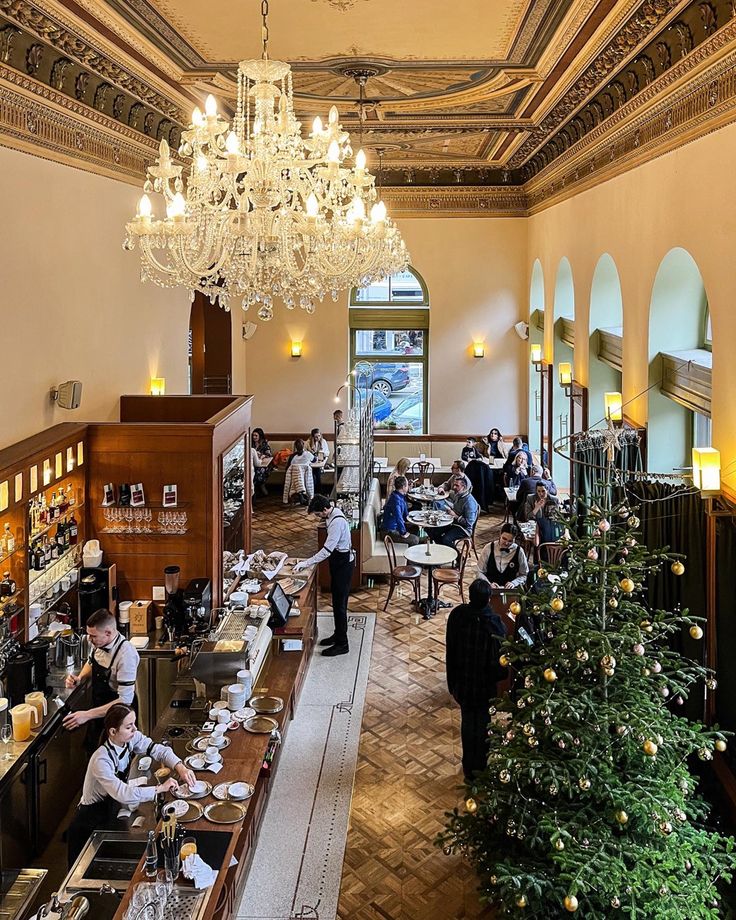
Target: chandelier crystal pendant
[(264, 213)]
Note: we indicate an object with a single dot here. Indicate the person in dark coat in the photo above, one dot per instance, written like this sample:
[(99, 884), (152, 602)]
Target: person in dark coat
[(480, 475), (473, 642), (528, 486)]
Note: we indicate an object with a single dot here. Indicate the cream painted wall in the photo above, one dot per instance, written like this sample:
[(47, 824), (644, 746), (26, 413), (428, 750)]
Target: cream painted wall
[(682, 199), (475, 273), (73, 306)]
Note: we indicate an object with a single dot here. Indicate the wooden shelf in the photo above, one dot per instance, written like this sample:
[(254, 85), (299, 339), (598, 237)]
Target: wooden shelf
[(37, 573), (18, 549)]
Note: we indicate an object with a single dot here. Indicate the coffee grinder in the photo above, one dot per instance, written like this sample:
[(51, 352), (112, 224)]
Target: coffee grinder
[(198, 605), (174, 612)]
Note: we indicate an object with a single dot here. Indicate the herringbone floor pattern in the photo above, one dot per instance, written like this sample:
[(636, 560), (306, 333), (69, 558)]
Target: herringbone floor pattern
[(408, 771)]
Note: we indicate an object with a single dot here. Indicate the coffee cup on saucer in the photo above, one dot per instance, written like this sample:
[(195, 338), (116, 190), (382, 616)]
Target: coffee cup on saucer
[(212, 755)]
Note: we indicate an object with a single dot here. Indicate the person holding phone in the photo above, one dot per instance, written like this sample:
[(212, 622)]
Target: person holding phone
[(320, 448)]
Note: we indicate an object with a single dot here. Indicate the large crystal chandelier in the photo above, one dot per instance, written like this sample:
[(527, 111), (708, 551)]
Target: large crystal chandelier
[(263, 212)]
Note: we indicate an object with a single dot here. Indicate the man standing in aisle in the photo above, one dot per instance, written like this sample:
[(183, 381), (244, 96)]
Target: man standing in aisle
[(111, 668), (338, 549)]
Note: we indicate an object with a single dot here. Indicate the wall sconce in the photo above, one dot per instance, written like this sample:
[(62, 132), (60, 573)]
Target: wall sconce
[(536, 354), (707, 469), (479, 350), (158, 386), (296, 349), (565, 373), (614, 406)]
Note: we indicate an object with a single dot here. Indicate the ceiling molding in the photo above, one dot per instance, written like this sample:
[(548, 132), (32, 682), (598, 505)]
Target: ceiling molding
[(491, 201)]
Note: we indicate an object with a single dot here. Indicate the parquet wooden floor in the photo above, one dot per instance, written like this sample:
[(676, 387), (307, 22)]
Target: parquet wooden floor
[(408, 771)]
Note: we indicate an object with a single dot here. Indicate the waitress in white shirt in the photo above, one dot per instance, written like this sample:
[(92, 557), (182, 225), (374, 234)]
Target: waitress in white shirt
[(338, 549), (106, 788)]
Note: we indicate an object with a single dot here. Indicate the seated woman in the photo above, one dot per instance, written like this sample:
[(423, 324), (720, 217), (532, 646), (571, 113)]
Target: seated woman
[(401, 469), (298, 481), (503, 562), (543, 508), (497, 447), (519, 471), (106, 789), (395, 511), (320, 448), (265, 456)]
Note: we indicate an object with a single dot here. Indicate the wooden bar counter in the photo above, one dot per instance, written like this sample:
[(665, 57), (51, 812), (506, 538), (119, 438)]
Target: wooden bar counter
[(243, 760)]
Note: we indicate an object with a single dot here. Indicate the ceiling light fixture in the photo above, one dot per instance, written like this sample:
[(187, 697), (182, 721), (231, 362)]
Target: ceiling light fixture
[(264, 213)]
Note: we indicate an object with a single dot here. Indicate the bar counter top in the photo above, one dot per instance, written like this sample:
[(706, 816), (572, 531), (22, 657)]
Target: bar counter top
[(243, 759)]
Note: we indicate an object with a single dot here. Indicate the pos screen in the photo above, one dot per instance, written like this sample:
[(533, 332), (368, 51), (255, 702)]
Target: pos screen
[(280, 605)]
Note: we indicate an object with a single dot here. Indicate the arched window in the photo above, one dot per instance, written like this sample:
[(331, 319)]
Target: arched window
[(389, 349)]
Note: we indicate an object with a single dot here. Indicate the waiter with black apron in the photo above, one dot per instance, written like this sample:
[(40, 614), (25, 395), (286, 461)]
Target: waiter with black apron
[(338, 549), (106, 788), (111, 668)]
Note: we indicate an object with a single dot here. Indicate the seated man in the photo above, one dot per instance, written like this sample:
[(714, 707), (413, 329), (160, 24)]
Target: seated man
[(458, 472), (464, 511), (503, 562), (470, 451), (528, 485), (395, 511)]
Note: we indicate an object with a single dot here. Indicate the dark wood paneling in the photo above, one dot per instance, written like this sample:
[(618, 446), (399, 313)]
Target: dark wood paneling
[(171, 409), (610, 349), (687, 383)]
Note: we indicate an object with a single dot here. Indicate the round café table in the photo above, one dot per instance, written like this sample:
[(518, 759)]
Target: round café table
[(423, 497), (429, 556)]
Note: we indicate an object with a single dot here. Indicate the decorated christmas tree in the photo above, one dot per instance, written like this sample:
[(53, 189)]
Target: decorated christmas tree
[(588, 802)]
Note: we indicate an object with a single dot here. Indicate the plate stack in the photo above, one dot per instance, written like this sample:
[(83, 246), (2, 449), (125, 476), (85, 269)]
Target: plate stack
[(236, 696)]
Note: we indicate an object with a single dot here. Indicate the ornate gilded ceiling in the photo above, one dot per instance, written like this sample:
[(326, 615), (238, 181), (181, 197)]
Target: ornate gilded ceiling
[(477, 93)]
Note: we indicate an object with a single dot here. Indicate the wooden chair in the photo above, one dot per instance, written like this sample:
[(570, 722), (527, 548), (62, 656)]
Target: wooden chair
[(454, 575), (421, 470), (472, 537), (551, 554), (398, 573)]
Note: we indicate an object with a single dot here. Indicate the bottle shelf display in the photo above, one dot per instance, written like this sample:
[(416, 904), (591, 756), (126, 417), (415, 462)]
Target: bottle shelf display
[(42, 523), (354, 458)]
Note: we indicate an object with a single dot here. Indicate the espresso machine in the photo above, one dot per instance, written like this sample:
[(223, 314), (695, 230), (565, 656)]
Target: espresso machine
[(174, 612)]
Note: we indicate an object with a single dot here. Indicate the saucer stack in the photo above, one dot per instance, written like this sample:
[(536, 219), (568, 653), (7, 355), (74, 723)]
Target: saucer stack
[(236, 696)]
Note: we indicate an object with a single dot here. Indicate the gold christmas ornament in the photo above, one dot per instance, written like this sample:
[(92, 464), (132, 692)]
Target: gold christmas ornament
[(584, 783), (515, 608), (541, 573), (581, 655), (571, 903), (696, 632), (665, 828), (521, 901), (622, 817), (504, 661), (646, 626), (471, 806), (626, 585), (609, 672), (677, 568), (650, 748), (504, 776), (613, 603), (608, 661), (557, 604), (550, 675), (559, 844), (721, 745)]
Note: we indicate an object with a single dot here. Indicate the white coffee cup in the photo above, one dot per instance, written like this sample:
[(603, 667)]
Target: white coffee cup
[(219, 729), (213, 714), (223, 716), (212, 755)]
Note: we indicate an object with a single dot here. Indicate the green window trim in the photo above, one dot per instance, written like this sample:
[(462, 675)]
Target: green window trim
[(407, 304)]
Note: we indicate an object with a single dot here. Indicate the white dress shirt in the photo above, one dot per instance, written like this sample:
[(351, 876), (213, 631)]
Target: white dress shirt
[(503, 557), (101, 780), (338, 538), (124, 668)]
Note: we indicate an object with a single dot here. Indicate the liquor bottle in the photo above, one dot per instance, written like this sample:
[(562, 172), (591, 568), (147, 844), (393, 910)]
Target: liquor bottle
[(43, 514), (7, 586), (61, 540), (70, 495), (39, 557), (54, 549), (47, 550), (9, 540), (151, 856), (63, 502), (73, 529)]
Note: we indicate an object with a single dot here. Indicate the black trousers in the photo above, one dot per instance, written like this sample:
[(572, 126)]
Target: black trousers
[(474, 736), (341, 574)]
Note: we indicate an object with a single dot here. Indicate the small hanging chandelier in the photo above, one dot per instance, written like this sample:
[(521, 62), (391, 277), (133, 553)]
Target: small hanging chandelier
[(263, 212)]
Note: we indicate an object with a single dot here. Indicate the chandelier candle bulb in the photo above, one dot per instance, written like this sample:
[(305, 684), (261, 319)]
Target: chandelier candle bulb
[(210, 107), (317, 129), (360, 162)]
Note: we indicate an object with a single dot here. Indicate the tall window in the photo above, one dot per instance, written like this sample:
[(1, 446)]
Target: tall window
[(389, 349)]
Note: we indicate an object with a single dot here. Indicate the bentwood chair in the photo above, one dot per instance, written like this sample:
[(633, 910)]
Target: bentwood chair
[(472, 538), (421, 470), (399, 573), (453, 575), (551, 554)]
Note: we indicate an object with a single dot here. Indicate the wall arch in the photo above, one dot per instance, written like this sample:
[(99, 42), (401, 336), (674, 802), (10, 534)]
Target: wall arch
[(607, 314), (563, 308), (677, 309)]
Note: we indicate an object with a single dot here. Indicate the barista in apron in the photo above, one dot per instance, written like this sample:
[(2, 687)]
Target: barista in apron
[(338, 549), (503, 562), (111, 670), (106, 788)]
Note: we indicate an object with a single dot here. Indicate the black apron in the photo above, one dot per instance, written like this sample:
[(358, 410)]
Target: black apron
[(101, 815), (102, 694), (509, 573)]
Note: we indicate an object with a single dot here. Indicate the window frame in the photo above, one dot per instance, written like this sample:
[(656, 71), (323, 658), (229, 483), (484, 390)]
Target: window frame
[(707, 341), (394, 316)]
